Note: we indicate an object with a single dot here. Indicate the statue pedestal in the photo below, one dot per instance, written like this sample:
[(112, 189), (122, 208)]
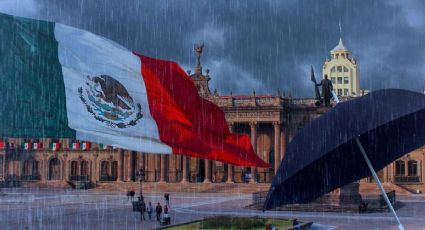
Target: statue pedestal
[(346, 198), (349, 195)]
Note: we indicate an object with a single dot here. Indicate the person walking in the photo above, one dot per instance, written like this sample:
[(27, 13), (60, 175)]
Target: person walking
[(167, 198), (150, 210), (166, 217), (158, 211), (128, 195), (142, 211), (132, 195)]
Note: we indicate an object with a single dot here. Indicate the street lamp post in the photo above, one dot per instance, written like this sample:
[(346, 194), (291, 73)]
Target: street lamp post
[(141, 176)]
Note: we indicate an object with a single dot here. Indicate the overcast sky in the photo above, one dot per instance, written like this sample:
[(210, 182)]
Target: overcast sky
[(261, 45)]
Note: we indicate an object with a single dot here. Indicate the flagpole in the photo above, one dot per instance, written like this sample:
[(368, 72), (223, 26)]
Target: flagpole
[(390, 206)]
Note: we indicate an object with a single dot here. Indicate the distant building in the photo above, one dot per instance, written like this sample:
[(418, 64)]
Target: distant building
[(271, 120), (343, 71)]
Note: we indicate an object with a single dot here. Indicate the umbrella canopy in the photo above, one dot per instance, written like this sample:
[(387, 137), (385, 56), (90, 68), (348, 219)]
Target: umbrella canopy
[(324, 156)]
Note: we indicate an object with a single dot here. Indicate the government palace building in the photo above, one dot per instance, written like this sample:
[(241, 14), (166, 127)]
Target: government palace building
[(271, 120)]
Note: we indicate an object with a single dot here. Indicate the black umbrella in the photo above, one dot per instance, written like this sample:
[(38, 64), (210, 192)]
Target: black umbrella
[(327, 153)]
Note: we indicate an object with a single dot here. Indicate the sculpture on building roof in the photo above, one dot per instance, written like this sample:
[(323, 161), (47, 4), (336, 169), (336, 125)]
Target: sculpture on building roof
[(198, 51)]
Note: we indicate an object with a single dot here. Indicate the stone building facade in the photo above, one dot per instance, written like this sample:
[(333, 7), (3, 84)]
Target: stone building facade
[(270, 120)]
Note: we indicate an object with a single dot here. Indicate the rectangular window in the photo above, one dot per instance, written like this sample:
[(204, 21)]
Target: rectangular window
[(412, 168), (339, 69), (399, 168), (74, 168), (84, 168), (345, 80), (346, 92), (333, 80), (35, 168), (339, 92), (339, 80)]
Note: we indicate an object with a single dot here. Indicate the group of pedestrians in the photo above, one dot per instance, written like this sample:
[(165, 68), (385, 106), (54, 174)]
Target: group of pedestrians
[(162, 213), (130, 194)]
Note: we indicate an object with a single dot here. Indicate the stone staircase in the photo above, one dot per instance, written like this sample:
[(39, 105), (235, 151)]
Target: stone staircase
[(59, 184), (368, 189), (184, 187)]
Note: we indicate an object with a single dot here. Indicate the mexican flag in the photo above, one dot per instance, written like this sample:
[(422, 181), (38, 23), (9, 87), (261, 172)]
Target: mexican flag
[(85, 145), (103, 146), (61, 82), (75, 145), (37, 145), (54, 146), (2, 144), (26, 145)]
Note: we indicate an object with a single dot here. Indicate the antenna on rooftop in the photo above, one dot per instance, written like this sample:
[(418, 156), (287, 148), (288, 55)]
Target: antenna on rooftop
[(340, 28)]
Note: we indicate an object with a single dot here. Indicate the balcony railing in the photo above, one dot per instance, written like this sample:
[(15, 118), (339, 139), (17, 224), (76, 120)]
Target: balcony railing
[(407, 179), (30, 177)]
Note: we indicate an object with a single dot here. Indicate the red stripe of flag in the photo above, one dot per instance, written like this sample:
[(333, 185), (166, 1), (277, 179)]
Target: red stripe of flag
[(188, 123)]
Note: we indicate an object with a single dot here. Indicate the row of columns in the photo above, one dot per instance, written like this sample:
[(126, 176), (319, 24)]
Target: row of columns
[(230, 169), (126, 167)]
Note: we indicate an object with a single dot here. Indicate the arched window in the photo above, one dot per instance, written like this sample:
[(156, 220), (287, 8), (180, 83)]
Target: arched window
[(54, 169), (333, 69), (399, 168), (412, 168), (108, 170), (104, 168), (345, 69), (30, 168)]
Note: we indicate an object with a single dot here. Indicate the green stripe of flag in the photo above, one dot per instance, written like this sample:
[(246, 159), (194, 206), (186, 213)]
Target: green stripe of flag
[(32, 95)]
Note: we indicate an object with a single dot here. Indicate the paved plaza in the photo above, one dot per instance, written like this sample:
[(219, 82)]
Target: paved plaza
[(79, 209)]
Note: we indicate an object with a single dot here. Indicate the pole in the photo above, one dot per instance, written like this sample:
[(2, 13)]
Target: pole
[(141, 189), (390, 206), (141, 176)]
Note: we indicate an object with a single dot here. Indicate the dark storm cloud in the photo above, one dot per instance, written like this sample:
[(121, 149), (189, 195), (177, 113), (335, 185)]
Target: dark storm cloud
[(261, 45)]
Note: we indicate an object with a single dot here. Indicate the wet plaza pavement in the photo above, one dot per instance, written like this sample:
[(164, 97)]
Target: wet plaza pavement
[(79, 209)]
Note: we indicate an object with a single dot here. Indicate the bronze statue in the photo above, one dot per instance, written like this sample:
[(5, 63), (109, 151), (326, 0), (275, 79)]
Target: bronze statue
[(326, 90)]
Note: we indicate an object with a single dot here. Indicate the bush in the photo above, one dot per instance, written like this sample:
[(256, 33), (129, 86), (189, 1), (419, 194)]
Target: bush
[(226, 222)]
